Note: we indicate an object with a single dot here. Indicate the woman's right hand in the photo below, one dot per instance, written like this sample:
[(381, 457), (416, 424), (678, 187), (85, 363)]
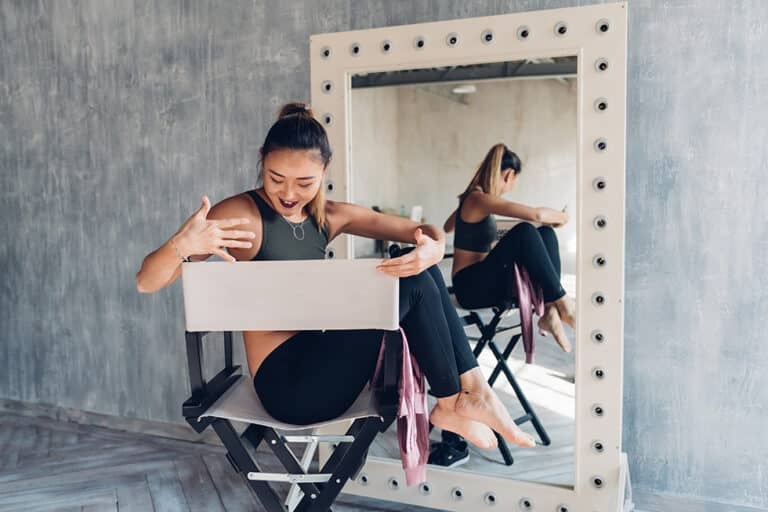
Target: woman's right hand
[(199, 235), (552, 217)]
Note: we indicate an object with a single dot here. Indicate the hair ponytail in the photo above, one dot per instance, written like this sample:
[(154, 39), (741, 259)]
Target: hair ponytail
[(488, 174)]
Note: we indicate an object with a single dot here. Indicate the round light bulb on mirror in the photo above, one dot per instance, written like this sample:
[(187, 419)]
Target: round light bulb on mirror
[(602, 26), (598, 447)]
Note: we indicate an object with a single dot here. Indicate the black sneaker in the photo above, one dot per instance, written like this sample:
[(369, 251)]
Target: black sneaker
[(448, 455)]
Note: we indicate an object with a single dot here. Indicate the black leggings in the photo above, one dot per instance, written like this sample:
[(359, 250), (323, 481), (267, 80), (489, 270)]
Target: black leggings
[(316, 375), (491, 282)]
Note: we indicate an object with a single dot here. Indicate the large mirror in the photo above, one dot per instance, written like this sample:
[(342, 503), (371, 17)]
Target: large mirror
[(411, 111), (417, 137)]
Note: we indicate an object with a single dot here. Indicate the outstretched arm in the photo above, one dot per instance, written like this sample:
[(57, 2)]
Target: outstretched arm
[(360, 221), (499, 206)]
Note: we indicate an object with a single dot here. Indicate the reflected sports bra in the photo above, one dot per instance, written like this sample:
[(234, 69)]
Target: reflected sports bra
[(474, 236)]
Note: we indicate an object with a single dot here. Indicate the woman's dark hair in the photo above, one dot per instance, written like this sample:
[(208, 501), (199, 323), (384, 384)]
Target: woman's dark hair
[(296, 128), (510, 160), (488, 174)]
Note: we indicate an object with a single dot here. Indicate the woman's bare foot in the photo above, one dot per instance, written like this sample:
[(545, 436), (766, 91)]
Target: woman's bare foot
[(567, 311), (485, 407), (550, 323), (474, 432)]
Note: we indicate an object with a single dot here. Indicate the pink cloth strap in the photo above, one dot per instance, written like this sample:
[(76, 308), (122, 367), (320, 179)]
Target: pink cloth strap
[(530, 299), (412, 414)]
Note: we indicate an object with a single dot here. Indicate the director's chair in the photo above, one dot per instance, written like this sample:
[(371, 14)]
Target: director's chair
[(331, 294), (488, 332)]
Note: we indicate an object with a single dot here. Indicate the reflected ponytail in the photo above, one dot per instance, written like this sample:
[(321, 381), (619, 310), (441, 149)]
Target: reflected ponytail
[(488, 174)]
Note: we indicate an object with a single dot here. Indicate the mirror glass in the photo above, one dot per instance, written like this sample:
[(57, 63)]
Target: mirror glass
[(417, 138)]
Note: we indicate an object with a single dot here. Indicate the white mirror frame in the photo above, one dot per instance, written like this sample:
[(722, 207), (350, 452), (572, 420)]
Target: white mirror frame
[(585, 39)]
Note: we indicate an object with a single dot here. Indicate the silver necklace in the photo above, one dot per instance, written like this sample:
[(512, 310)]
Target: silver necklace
[(296, 227)]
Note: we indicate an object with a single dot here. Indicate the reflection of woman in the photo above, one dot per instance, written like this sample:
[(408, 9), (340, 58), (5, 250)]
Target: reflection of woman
[(310, 376), (481, 275)]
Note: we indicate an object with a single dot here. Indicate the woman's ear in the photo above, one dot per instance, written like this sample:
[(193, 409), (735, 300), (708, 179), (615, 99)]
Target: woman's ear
[(261, 152)]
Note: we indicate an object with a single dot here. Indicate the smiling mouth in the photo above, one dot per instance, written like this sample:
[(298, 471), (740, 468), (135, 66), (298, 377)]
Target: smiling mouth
[(288, 204)]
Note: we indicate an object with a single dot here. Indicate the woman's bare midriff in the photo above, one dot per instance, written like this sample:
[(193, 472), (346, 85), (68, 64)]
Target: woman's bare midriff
[(463, 259), (259, 344)]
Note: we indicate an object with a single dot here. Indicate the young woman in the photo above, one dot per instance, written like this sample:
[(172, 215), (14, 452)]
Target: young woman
[(482, 276), (311, 376)]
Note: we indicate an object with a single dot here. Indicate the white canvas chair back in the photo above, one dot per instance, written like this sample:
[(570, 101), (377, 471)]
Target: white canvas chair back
[(289, 295)]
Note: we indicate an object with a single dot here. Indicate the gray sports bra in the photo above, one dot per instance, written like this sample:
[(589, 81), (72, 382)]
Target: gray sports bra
[(280, 239)]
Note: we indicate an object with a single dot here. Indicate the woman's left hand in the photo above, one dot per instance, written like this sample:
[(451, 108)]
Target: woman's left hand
[(428, 252)]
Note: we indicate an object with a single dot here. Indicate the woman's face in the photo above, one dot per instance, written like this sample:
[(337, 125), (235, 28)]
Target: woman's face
[(292, 179)]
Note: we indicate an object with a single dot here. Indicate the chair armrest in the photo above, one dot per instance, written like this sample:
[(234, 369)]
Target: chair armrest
[(205, 393)]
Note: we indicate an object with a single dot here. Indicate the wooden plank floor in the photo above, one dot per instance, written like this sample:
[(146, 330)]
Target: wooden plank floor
[(48, 465)]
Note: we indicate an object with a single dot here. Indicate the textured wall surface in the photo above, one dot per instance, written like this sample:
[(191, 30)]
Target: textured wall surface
[(116, 116)]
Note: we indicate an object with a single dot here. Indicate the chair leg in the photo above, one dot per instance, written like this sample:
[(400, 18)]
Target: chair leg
[(505, 357), (314, 491), (289, 461), (244, 464), (530, 413), (504, 449), (295, 493), (342, 466), (487, 331)]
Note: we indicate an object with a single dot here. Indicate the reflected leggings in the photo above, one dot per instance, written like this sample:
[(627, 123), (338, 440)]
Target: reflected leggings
[(491, 282), (316, 375)]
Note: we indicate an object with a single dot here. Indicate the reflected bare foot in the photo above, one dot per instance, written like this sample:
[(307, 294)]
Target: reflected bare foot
[(485, 407), (567, 311), (474, 432), (550, 323)]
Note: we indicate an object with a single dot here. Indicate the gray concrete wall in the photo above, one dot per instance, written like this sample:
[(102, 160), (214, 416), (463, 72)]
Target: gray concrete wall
[(116, 116)]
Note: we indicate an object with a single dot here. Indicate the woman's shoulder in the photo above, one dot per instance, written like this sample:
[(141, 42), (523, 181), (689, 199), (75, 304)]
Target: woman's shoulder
[(238, 205), (346, 210), (474, 206), (475, 197)]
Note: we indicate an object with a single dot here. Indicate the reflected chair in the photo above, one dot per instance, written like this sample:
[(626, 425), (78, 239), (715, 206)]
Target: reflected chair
[(488, 331), (223, 297)]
